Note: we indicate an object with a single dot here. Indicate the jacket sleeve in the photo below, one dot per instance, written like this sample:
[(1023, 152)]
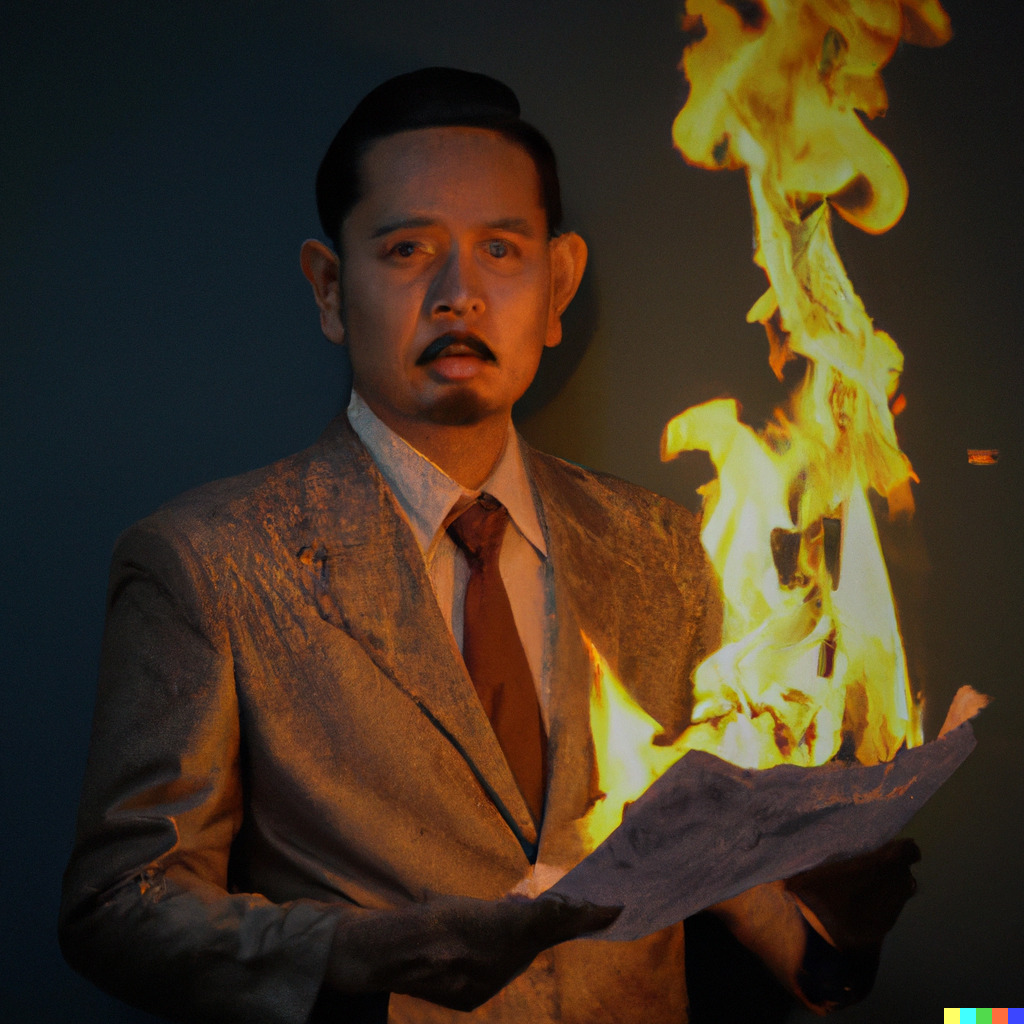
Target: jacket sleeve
[(146, 912)]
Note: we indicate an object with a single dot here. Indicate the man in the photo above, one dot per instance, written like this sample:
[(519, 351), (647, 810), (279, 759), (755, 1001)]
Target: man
[(301, 802)]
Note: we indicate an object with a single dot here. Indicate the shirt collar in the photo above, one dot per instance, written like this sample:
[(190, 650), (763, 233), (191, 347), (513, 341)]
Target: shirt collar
[(426, 494)]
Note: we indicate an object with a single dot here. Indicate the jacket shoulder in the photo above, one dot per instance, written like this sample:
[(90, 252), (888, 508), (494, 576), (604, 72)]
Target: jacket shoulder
[(611, 505), (227, 523)]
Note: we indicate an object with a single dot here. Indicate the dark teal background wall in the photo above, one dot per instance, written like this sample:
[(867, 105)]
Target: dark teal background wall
[(157, 161)]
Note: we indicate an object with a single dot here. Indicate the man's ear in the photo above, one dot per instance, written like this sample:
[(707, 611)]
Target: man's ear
[(568, 261), (321, 268)]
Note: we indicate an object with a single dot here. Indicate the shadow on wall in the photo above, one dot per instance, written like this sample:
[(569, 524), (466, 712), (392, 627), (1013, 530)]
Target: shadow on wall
[(558, 364)]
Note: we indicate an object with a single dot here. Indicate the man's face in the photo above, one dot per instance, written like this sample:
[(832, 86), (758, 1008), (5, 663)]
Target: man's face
[(447, 291)]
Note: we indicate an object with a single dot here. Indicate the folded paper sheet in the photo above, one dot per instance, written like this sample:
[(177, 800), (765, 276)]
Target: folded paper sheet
[(707, 830)]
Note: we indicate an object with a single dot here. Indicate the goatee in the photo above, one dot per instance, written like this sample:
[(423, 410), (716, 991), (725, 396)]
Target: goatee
[(458, 408)]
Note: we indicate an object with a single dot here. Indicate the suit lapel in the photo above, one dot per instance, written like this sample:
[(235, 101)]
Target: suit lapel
[(369, 579), (572, 782), (572, 779)]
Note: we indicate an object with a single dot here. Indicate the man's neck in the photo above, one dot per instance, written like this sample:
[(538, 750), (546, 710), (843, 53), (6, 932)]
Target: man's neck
[(467, 453)]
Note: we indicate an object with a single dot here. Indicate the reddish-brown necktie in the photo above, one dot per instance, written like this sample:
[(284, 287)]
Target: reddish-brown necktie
[(494, 653)]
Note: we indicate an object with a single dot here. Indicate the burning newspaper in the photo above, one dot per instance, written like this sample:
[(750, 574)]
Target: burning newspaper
[(812, 663)]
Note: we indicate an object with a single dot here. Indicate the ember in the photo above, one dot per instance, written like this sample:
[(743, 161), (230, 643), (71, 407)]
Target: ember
[(982, 456)]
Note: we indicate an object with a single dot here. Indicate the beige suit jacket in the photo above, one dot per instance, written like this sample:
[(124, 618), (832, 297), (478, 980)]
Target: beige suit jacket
[(285, 729)]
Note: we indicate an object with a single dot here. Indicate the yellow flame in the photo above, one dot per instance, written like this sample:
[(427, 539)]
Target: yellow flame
[(629, 756), (811, 660)]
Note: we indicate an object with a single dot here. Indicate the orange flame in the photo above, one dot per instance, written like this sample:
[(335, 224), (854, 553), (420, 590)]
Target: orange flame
[(811, 659)]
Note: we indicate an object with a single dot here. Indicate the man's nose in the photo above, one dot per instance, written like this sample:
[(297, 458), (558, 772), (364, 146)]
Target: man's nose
[(456, 291)]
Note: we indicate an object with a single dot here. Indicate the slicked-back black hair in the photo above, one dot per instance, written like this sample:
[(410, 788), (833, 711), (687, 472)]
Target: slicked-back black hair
[(428, 98)]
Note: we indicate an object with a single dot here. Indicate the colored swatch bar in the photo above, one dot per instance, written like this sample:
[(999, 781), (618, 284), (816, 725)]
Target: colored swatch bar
[(981, 1015)]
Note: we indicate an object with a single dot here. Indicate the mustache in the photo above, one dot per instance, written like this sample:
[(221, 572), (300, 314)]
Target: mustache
[(470, 341)]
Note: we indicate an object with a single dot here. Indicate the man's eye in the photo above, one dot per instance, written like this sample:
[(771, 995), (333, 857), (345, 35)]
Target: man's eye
[(404, 249), (498, 248)]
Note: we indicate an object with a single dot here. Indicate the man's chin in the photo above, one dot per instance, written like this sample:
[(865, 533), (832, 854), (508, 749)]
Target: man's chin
[(460, 407)]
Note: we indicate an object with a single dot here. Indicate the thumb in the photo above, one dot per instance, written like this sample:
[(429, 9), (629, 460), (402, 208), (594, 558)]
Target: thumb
[(559, 918)]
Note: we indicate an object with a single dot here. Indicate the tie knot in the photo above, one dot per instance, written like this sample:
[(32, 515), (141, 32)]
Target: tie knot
[(479, 530)]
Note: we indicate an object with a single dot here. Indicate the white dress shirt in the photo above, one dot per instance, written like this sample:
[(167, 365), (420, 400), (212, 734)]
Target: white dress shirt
[(430, 499)]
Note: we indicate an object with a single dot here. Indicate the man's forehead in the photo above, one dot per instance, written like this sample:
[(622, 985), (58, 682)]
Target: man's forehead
[(421, 169)]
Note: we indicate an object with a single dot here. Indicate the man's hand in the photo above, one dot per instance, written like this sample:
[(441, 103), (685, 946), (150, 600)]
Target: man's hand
[(821, 931), (849, 907), (454, 950), (857, 901)]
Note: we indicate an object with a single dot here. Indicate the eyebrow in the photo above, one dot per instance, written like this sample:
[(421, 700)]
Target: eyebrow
[(515, 225), (403, 225)]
